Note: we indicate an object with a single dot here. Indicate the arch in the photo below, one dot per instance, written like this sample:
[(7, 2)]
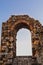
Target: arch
[(8, 38), (23, 43), (23, 23)]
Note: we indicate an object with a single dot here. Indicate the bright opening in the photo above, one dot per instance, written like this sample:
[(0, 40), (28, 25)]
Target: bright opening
[(23, 43)]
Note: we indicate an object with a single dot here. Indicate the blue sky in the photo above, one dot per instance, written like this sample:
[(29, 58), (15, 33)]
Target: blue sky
[(33, 8)]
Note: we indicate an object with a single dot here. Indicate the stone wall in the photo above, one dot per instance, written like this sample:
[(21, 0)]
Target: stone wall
[(8, 41)]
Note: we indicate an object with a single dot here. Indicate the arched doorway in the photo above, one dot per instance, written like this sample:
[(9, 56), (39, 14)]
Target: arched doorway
[(23, 43), (18, 27)]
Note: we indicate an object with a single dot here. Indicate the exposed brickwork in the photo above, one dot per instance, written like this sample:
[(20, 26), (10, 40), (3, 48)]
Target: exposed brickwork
[(8, 41)]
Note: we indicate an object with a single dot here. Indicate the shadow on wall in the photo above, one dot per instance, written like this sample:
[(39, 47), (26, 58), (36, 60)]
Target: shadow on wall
[(0, 47)]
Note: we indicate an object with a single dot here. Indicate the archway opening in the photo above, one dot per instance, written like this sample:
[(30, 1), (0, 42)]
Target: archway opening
[(23, 43)]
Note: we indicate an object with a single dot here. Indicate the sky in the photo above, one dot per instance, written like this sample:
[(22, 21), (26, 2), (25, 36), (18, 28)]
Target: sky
[(33, 8), (23, 43)]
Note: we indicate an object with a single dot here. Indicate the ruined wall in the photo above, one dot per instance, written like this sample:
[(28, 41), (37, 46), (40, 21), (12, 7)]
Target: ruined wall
[(8, 41)]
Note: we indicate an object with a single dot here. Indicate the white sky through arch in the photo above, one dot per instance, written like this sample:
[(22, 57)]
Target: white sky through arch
[(23, 43)]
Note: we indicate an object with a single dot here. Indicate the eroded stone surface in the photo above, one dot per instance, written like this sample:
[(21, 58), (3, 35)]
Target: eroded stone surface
[(8, 41)]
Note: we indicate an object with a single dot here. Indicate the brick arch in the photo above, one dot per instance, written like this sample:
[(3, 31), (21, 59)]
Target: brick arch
[(9, 31), (24, 22), (18, 25)]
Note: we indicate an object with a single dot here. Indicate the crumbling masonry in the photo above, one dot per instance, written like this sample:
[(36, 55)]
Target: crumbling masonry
[(8, 41)]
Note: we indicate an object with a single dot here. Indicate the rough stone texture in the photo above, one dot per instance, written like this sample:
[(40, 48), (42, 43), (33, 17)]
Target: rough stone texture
[(8, 41)]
